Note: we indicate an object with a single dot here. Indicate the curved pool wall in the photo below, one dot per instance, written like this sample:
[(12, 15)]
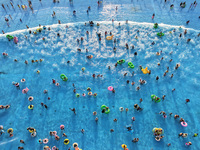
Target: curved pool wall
[(133, 10), (57, 51)]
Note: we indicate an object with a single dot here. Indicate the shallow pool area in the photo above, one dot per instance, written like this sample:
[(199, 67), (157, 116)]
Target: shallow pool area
[(82, 53)]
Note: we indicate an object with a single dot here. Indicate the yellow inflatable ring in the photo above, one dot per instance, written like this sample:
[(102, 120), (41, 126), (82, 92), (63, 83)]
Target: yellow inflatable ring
[(31, 131), (124, 146), (66, 141), (109, 37), (30, 106), (10, 130)]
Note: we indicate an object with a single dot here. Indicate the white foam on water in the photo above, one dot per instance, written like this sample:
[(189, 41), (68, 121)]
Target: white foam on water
[(55, 26)]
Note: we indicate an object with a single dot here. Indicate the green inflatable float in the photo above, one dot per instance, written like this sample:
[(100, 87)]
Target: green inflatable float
[(121, 61), (63, 77), (160, 34), (155, 25), (106, 108), (130, 64), (9, 37), (155, 98)]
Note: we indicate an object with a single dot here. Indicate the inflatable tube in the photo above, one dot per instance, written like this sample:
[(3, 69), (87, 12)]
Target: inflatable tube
[(110, 88), (30, 106), (154, 97), (104, 107), (10, 130), (39, 30), (15, 39), (32, 130), (184, 124), (124, 146), (63, 77), (66, 141), (109, 37), (121, 61), (160, 34), (130, 64), (77, 95), (155, 26), (145, 71), (9, 37)]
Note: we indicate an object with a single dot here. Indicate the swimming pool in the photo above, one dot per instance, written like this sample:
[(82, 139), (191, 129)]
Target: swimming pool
[(56, 51)]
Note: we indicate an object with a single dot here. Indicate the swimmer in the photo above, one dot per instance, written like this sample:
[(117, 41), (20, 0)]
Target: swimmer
[(94, 113), (138, 88), (188, 143), (64, 135), (20, 147), (45, 91), (187, 101), (172, 75), (176, 116), (188, 40), (163, 97), (182, 120), (141, 100), (57, 138), (22, 141), (96, 119), (132, 83), (7, 106), (115, 120), (133, 119), (126, 110), (135, 140), (157, 53), (157, 78), (173, 90), (74, 110), (82, 131), (127, 81), (111, 130), (89, 57)]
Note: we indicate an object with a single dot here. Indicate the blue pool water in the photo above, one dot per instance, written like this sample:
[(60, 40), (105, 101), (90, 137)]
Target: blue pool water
[(56, 51)]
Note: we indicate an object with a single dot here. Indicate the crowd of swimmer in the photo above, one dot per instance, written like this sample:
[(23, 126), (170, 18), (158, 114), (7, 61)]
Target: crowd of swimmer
[(105, 109)]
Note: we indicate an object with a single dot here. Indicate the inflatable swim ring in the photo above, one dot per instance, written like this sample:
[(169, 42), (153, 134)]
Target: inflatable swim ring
[(155, 98), (145, 71), (39, 30), (160, 34), (109, 37), (130, 64), (32, 130), (66, 141), (10, 130), (77, 95), (15, 39), (121, 109), (110, 88), (107, 109), (155, 25), (83, 69), (184, 124), (45, 141), (90, 93), (158, 131), (9, 37), (121, 61), (62, 127), (124, 146), (30, 106), (75, 145), (63, 77)]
